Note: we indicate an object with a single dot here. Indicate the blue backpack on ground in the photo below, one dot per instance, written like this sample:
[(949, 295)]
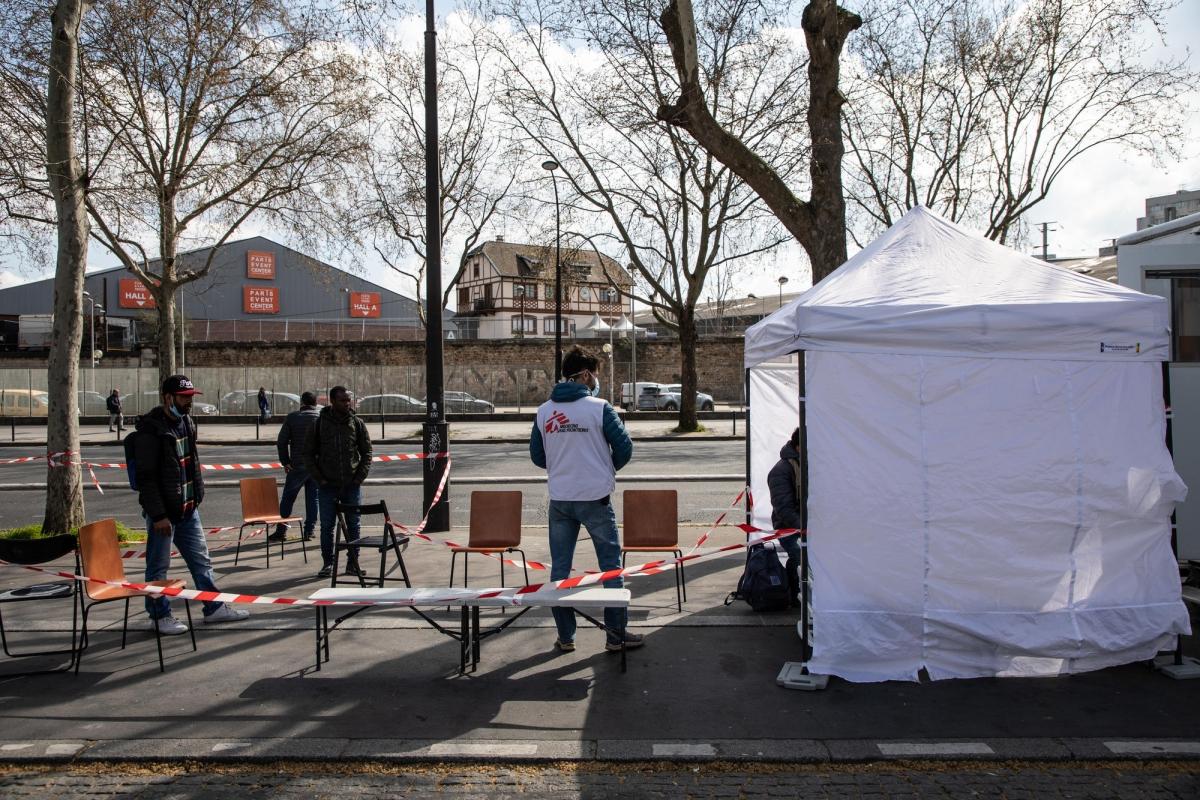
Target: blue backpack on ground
[(130, 467), (764, 583)]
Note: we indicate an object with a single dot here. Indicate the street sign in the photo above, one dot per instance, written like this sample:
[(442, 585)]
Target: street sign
[(364, 304), (134, 294), (260, 299)]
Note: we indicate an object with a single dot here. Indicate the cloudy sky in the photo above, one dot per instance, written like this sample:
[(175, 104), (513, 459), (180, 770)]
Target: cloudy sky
[(1097, 199)]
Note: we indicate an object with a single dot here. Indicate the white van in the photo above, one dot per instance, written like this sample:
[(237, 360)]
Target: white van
[(24, 403), (628, 392)]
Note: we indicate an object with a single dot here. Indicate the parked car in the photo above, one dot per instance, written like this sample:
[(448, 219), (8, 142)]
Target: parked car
[(151, 398), (243, 401), (668, 397), (24, 402), (630, 390), (389, 404), (93, 404), (463, 403)]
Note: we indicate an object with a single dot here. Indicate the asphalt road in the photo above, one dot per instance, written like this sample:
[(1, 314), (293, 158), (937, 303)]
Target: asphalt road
[(473, 466)]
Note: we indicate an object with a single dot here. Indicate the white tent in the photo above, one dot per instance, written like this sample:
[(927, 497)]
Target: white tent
[(595, 327), (989, 489)]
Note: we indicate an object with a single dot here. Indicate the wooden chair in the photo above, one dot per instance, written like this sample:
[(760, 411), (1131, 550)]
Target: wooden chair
[(41, 551), (651, 523), (260, 506), (100, 557), (495, 529)]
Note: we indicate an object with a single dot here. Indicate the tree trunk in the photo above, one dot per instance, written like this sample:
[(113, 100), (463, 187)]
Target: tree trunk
[(819, 224), (166, 333), (826, 26), (688, 340), (64, 488)]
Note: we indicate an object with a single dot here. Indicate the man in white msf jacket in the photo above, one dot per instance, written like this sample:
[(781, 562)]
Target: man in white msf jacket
[(580, 442)]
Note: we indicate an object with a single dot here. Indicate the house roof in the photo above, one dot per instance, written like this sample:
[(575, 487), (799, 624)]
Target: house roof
[(515, 260), (1162, 229)]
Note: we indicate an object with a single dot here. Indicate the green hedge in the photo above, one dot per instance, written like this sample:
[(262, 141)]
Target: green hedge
[(125, 534)]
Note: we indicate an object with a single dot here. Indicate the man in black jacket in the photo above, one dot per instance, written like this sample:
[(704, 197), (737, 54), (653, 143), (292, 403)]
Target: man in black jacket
[(170, 490), (337, 454), (784, 482), (113, 404), (290, 444)]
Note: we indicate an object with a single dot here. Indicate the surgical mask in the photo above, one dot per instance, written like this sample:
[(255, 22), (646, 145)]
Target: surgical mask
[(595, 390), (175, 412)]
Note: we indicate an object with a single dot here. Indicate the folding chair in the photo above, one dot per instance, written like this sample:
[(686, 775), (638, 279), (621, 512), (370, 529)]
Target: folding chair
[(41, 551), (100, 558), (260, 506), (388, 540), (651, 525), (495, 529)]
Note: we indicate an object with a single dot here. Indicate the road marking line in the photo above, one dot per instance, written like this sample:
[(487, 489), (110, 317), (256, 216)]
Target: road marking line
[(1130, 748), (934, 748), (684, 750), (62, 749), (23, 746), (221, 747), (482, 749)]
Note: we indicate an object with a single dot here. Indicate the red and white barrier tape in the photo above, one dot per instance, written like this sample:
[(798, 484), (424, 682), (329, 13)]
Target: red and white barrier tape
[(452, 598), (56, 460)]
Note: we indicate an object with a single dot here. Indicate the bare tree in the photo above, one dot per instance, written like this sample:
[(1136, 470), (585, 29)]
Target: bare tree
[(475, 166), (677, 212), (977, 107), (819, 222), (64, 489)]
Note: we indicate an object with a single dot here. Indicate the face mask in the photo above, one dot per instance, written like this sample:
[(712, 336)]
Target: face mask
[(595, 390), (175, 412)]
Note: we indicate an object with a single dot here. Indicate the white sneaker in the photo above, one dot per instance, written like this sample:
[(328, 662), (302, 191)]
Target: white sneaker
[(168, 626), (227, 613)]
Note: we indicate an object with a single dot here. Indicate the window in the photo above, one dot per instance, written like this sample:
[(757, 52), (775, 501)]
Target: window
[(521, 324), (610, 294), (568, 326), (519, 290), (475, 274), (549, 291), (1182, 290)]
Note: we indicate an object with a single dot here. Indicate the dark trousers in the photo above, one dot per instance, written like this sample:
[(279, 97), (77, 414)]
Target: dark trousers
[(296, 480)]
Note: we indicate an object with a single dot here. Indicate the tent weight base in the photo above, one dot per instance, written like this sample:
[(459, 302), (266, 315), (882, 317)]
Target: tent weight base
[(1189, 669), (793, 676)]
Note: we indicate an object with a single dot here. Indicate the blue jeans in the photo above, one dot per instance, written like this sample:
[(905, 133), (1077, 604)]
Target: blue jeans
[(188, 538), (327, 495), (296, 480), (601, 522)]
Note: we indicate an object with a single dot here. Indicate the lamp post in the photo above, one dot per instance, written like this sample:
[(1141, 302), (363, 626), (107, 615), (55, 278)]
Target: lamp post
[(92, 324), (608, 351), (551, 165), (782, 280)]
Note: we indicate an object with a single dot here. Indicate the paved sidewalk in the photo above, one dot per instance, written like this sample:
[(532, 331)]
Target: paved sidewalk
[(608, 782), (701, 689)]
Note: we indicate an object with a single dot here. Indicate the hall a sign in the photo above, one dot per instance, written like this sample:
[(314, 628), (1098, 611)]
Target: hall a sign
[(260, 299), (134, 294), (260, 265), (364, 304)]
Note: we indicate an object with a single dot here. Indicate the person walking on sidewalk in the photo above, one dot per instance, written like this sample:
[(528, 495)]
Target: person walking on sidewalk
[(264, 406), (784, 481), (580, 442), (113, 404), (170, 490), (290, 444), (337, 454)]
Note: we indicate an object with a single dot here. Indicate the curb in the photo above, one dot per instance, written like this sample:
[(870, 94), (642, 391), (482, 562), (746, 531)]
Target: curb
[(250, 750), (412, 442)]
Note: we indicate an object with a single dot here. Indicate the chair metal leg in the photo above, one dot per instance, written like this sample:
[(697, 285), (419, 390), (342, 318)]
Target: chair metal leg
[(303, 544), (237, 553), (162, 667), (399, 559), (125, 623), (267, 543), (678, 597), (682, 575), (524, 564), (187, 608), (82, 636)]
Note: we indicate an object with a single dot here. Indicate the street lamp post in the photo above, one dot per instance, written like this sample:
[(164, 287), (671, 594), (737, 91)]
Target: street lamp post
[(782, 280), (551, 165), (92, 324)]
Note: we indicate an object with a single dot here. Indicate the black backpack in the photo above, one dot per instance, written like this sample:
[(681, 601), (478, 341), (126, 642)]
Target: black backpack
[(764, 584), (130, 467)]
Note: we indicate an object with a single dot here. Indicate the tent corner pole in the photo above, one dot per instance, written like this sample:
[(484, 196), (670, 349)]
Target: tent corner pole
[(803, 414), (749, 496)]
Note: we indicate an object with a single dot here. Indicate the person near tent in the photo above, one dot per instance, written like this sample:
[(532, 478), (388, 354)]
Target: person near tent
[(580, 442), (264, 405), (290, 444), (786, 484)]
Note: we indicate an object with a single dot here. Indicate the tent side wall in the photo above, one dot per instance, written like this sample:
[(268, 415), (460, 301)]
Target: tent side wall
[(985, 516)]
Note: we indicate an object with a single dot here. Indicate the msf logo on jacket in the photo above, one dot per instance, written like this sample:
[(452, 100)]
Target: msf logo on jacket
[(558, 422)]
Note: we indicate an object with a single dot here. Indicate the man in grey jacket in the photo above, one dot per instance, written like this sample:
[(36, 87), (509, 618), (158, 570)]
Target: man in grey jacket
[(337, 454), (290, 444)]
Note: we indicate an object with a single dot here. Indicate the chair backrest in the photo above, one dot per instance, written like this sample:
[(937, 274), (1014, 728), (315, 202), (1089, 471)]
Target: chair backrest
[(260, 498), (495, 519), (651, 518), (36, 551), (100, 554)]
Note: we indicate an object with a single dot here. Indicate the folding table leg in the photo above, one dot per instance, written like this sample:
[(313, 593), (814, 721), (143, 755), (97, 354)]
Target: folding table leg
[(464, 639), (317, 630), (475, 638)]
